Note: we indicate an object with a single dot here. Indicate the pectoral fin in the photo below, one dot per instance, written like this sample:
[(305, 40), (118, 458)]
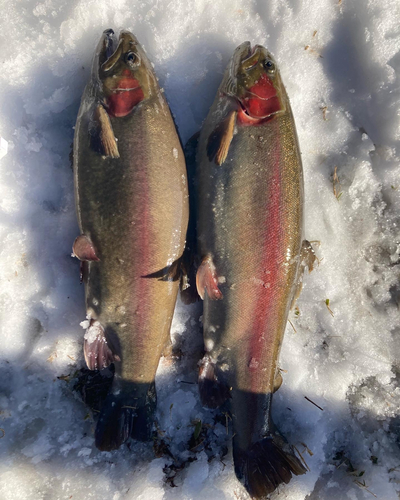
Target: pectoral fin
[(103, 134), (97, 351), (221, 138), (83, 249)]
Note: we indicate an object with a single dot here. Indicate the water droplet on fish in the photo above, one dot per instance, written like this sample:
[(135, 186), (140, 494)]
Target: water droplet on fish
[(120, 309), (209, 344)]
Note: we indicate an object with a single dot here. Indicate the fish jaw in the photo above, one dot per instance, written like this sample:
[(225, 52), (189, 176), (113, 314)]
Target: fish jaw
[(104, 50), (122, 74), (253, 82)]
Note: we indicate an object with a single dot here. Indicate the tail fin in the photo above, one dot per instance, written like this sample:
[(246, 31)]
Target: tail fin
[(265, 465), (213, 389), (123, 416)]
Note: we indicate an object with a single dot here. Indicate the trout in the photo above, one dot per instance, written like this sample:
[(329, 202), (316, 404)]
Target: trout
[(250, 241), (132, 206)]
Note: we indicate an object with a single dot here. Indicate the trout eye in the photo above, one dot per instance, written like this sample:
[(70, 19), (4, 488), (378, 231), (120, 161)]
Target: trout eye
[(269, 66), (131, 58)]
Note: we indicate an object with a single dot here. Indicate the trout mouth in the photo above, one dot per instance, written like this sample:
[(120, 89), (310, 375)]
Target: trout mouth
[(127, 83), (122, 71), (256, 85), (119, 90)]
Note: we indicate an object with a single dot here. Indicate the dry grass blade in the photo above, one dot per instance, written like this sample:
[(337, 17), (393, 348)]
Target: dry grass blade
[(307, 47), (364, 487), (227, 418), (302, 458), (336, 185), (329, 309), (307, 449), (312, 402)]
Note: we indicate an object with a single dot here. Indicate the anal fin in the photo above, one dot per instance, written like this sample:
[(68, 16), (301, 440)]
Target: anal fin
[(97, 351)]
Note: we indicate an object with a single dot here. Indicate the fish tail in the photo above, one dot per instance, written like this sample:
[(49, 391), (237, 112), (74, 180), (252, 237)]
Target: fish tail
[(266, 464), (214, 391), (124, 416)]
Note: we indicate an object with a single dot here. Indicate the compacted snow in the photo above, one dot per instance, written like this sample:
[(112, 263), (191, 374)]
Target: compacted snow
[(339, 61)]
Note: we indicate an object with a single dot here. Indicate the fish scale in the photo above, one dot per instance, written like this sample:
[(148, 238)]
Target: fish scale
[(250, 234), (132, 206)]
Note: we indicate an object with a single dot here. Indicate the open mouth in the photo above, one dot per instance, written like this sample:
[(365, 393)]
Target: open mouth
[(118, 90), (126, 84), (125, 97)]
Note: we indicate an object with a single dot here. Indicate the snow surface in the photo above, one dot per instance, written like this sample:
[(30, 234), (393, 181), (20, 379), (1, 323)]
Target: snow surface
[(339, 61)]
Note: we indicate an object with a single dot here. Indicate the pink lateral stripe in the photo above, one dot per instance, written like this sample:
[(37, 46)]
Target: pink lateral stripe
[(266, 311)]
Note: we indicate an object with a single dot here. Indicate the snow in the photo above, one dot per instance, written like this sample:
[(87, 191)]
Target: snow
[(340, 62), (3, 147)]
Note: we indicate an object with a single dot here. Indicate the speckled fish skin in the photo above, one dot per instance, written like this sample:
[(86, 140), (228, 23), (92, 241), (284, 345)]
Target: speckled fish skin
[(250, 225), (134, 210)]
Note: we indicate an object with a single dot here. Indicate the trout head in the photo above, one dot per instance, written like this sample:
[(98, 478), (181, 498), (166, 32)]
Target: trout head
[(122, 72), (253, 81)]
